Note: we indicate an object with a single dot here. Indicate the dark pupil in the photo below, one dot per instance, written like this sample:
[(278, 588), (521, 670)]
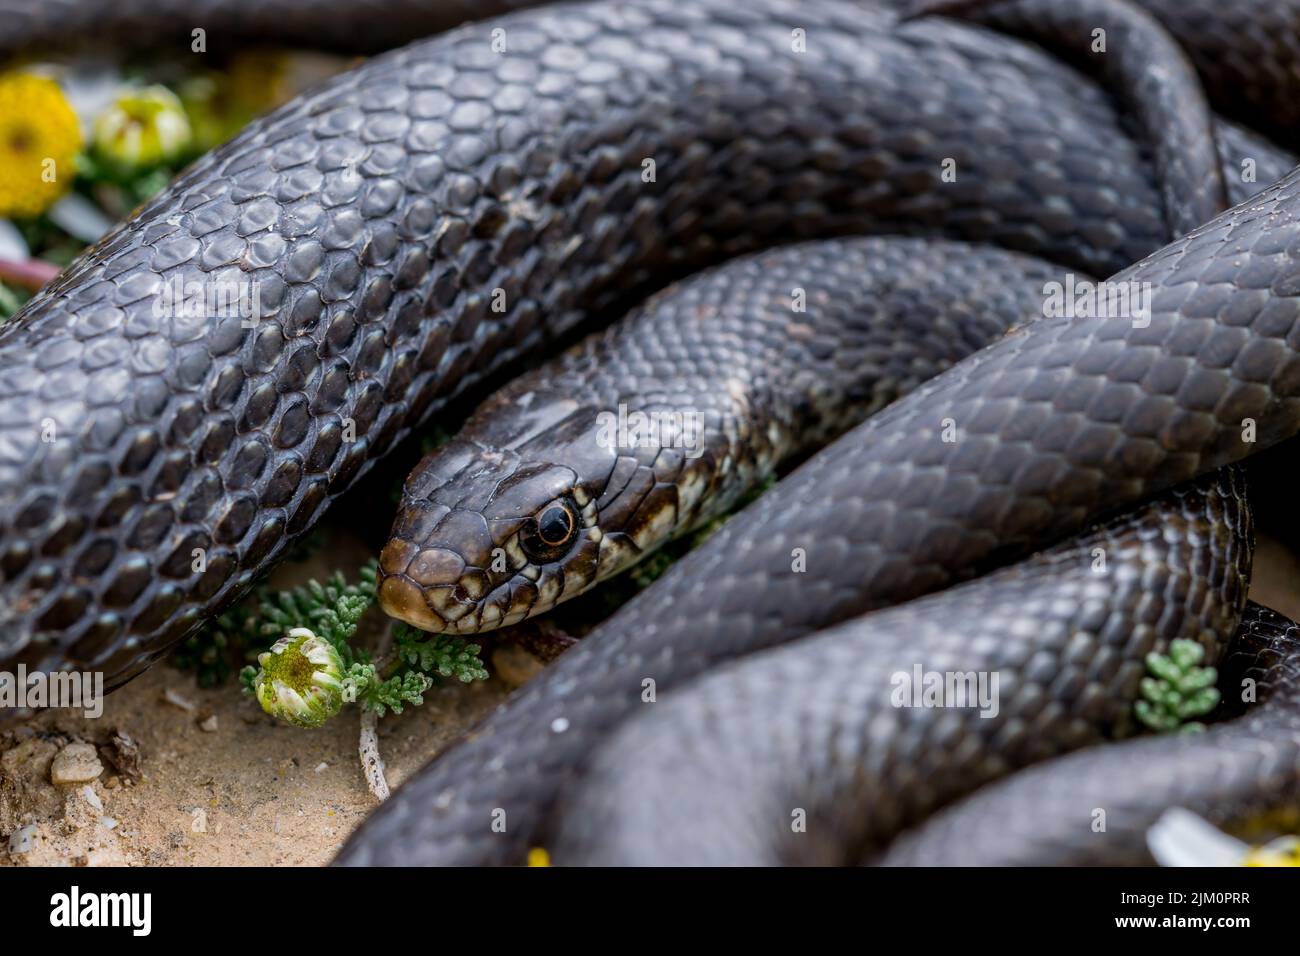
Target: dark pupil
[(553, 528)]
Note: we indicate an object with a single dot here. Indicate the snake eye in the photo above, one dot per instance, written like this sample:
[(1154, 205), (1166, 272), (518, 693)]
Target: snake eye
[(547, 536)]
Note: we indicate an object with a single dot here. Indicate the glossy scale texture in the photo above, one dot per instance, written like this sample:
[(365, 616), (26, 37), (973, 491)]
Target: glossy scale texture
[(152, 466), (769, 356), (1242, 773)]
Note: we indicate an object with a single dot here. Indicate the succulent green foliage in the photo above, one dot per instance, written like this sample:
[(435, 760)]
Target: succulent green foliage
[(1178, 689), (365, 686), (442, 654), (332, 611), (118, 189), (420, 659), (207, 654)]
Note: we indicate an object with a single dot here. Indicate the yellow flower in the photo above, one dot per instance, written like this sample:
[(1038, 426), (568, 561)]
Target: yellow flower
[(39, 141), (537, 856), (1284, 851)]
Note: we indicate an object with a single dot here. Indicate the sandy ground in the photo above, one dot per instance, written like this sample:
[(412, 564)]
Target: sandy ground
[(247, 790), (219, 782)]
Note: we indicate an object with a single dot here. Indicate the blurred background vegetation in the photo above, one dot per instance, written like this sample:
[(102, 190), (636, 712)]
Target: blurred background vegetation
[(86, 141)]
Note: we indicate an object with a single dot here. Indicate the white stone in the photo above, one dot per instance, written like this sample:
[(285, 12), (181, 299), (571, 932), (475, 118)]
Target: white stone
[(75, 763)]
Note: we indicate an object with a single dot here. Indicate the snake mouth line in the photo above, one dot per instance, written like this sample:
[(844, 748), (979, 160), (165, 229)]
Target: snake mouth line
[(451, 607), (438, 609), (403, 599)]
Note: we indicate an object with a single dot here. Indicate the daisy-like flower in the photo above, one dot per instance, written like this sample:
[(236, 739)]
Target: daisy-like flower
[(1181, 838), (143, 128), (39, 141), (301, 679)]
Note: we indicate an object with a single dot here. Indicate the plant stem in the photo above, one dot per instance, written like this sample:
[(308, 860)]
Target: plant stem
[(372, 763)]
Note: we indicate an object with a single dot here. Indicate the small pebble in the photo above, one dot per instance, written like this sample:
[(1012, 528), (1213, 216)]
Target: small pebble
[(515, 665), (200, 822), (108, 823), (91, 797), (23, 839), (209, 725), (322, 766), (75, 763), (111, 783)]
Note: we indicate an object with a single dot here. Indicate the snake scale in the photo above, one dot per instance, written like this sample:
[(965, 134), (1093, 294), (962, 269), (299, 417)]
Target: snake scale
[(379, 213), (762, 390), (1240, 770)]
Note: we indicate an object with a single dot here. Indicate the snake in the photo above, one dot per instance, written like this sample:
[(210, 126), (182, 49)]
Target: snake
[(535, 503), (731, 375), (831, 732), (528, 750), (381, 212), (713, 779), (1241, 773), (154, 467)]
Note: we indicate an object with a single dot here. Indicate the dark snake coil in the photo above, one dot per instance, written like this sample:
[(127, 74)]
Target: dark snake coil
[(379, 213)]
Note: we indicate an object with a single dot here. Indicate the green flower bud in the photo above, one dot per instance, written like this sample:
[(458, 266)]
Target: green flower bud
[(143, 128), (301, 679)]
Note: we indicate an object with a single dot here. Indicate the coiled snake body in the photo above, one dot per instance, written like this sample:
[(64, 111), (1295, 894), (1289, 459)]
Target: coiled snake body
[(379, 214)]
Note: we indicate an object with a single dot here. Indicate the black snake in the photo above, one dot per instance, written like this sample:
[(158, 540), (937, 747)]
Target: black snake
[(1240, 771), (382, 213)]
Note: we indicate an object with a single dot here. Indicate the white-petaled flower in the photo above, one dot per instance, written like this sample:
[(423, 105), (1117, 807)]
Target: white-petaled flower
[(143, 128), (301, 679), (80, 218), (1181, 838), (12, 244)]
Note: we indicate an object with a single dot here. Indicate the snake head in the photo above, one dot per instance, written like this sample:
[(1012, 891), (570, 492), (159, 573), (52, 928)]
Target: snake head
[(529, 506), (535, 501), (501, 523)]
